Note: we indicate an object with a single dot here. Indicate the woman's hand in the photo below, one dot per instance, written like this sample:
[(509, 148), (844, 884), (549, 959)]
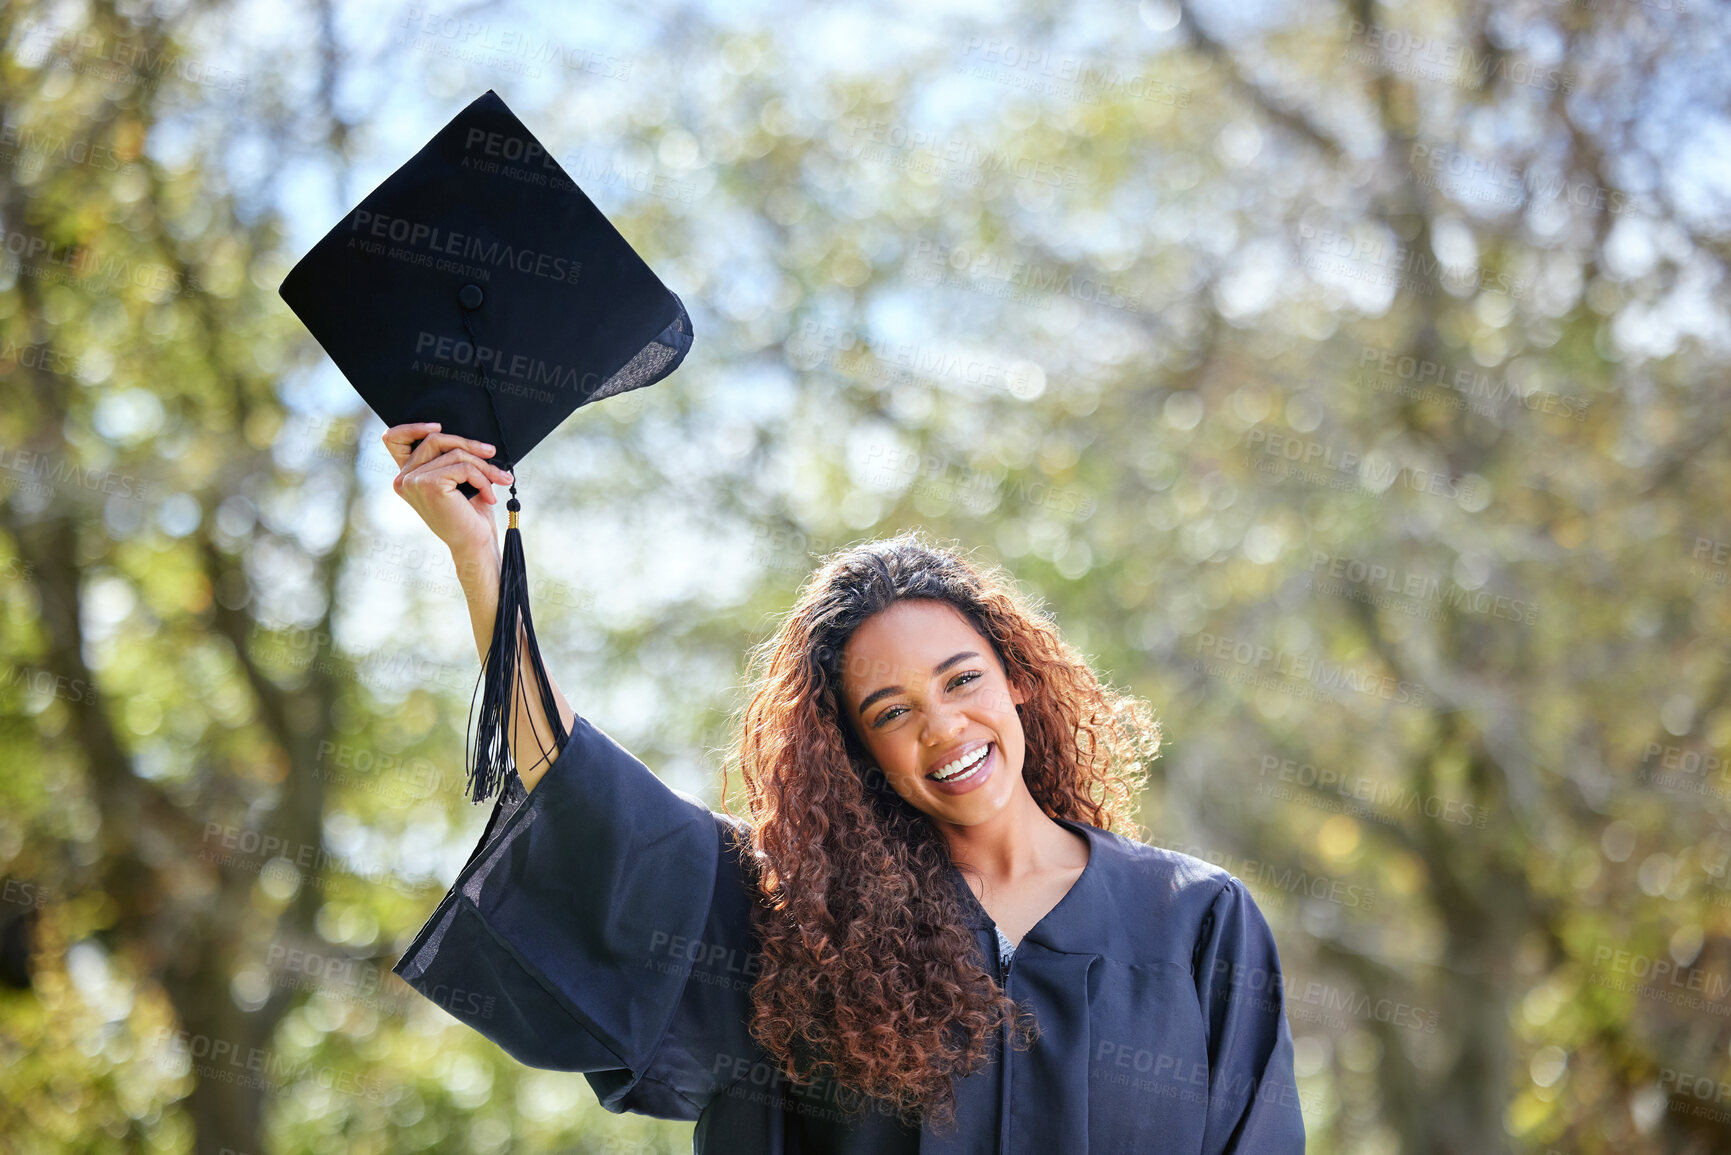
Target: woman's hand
[(428, 477)]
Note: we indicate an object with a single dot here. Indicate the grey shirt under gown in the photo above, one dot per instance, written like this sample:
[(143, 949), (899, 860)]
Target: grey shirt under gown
[(601, 925)]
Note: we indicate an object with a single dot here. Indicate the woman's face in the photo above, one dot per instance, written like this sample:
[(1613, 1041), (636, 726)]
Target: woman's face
[(921, 687)]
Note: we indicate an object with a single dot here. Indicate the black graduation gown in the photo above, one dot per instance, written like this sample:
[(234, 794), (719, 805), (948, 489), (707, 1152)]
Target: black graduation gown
[(602, 925)]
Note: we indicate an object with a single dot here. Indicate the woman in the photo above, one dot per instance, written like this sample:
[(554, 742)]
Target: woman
[(927, 938)]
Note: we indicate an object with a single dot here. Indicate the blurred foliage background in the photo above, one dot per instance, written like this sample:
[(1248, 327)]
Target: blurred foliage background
[(1349, 380)]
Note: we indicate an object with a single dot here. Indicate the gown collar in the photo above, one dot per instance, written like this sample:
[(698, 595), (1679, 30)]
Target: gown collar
[(1073, 923)]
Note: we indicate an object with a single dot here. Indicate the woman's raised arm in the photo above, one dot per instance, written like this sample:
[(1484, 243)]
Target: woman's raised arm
[(604, 926), (427, 478), (531, 738)]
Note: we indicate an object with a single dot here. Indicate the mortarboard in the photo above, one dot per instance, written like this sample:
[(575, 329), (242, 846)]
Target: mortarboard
[(479, 287)]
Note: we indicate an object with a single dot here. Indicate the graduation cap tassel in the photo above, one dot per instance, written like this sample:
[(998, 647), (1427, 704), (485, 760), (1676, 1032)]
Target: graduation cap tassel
[(502, 670)]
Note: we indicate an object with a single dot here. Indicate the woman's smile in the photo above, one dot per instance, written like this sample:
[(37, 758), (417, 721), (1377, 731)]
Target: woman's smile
[(971, 775), (929, 700)]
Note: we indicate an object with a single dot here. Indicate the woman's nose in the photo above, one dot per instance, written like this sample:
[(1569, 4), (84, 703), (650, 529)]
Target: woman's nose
[(943, 723)]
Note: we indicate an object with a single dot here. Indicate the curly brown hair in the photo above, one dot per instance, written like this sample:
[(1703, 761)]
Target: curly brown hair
[(870, 974)]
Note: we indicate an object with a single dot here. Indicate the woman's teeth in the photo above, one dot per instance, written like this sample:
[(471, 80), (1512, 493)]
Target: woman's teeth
[(968, 766)]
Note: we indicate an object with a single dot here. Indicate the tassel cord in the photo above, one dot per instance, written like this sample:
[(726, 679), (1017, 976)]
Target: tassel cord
[(501, 669)]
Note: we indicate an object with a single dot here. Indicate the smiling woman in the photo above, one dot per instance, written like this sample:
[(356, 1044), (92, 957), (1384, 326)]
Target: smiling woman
[(927, 937), (954, 751)]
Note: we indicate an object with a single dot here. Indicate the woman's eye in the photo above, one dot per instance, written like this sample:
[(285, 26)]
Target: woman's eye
[(959, 680)]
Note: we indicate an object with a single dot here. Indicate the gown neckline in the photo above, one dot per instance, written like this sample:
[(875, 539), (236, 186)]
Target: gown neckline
[(978, 917)]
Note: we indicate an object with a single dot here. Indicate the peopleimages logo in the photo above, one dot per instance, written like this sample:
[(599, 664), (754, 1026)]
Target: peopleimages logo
[(1451, 63), (436, 241), (1476, 178), (127, 61), (1389, 798), (1214, 650), (1479, 389), (1375, 471), (952, 156), (434, 353), (1361, 578), (1398, 265), (460, 36), (983, 270), (181, 1052), (1687, 987), (505, 146), (18, 141)]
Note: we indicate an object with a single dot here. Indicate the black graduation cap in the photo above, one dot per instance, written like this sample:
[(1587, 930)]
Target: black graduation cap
[(479, 287)]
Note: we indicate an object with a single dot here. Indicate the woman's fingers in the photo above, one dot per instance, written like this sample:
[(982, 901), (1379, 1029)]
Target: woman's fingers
[(440, 478), (458, 463), (401, 441), (425, 456), (436, 445), (462, 453), (432, 464)]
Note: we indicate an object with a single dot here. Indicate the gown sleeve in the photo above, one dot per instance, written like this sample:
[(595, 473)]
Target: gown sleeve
[(1253, 1106), (600, 925)]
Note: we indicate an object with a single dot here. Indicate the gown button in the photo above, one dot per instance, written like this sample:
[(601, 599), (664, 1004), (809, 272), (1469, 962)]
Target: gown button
[(470, 296)]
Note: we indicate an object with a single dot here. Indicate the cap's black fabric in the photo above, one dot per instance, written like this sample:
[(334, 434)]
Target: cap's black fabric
[(478, 287)]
